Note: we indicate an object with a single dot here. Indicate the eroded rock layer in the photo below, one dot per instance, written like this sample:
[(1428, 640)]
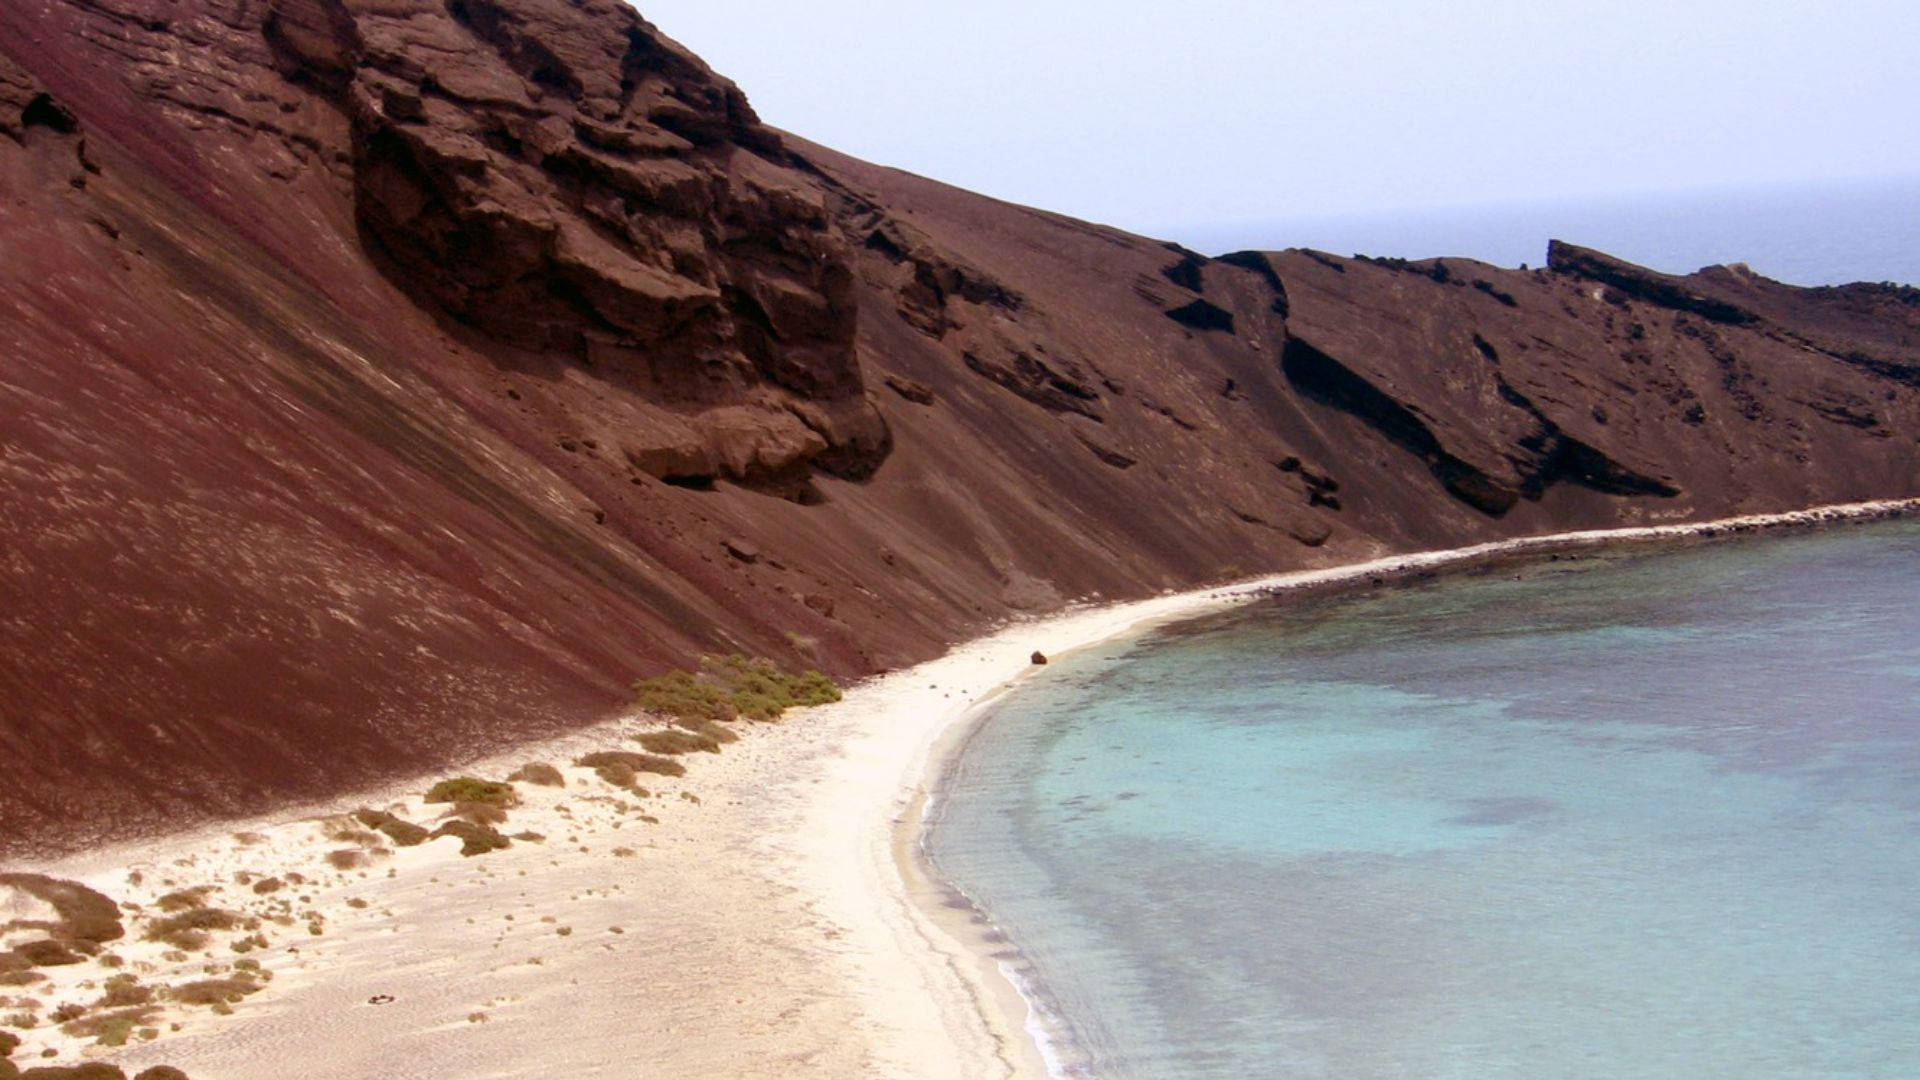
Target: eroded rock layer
[(384, 379)]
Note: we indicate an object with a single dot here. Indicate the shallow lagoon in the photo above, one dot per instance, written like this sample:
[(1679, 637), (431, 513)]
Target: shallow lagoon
[(1622, 815)]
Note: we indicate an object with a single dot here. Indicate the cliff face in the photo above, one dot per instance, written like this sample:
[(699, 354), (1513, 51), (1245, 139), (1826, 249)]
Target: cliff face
[(387, 378)]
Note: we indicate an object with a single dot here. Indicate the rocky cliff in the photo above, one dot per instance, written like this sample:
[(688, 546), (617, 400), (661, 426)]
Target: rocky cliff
[(387, 378)]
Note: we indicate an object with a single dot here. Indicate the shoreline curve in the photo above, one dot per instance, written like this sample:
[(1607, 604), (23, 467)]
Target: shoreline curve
[(775, 920), (952, 921)]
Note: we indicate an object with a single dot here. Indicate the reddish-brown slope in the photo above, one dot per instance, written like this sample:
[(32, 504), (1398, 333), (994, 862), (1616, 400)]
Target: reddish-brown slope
[(380, 380)]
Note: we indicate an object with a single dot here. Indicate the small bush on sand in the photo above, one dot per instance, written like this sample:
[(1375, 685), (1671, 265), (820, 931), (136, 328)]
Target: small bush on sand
[(539, 772), (46, 953), (719, 733), (732, 687), (618, 774), (122, 991), (762, 681), (467, 789), (347, 859), (474, 839), (212, 991), (92, 1070), (187, 931), (402, 832), (184, 899), (681, 693), (344, 829), (677, 742), (480, 813), (639, 763), (88, 919), (110, 1028)]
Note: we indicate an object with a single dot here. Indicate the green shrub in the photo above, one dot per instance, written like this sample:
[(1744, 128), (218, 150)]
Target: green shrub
[(719, 733), (617, 774), (814, 688), (92, 1070), (110, 1028), (402, 832), (638, 763), (188, 930), (184, 899), (467, 789), (678, 742), (46, 953), (539, 772), (88, 919), (212, 991), (474, 839), (732, 687), (122, 991), (480, 813), (680, 694)]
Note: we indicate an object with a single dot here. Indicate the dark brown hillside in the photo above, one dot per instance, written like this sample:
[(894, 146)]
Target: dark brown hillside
[(383, 379)]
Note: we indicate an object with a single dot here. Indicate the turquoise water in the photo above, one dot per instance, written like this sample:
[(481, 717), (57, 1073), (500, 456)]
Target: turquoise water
[(1612, 816)]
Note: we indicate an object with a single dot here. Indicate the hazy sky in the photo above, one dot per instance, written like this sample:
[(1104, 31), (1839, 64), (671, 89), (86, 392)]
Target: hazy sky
[(1162, 117)]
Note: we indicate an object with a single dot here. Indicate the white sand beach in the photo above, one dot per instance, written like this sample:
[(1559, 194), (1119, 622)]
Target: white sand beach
[(761, 916)]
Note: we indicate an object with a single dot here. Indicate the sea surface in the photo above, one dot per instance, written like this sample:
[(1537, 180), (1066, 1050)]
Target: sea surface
[(1627, 815), (1826, 234)]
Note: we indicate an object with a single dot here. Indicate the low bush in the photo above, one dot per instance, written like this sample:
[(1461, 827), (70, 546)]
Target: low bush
[(400, 831), (719, 733), (732, 687), (92, 1070), (678, 742), (46, 953), (681, 694), (187, 931), (618, 774), (184, 899), (212, 991), (467, 789), (110, 1028), (360, 837), (639, 763), (122, 991), (88, 919), (539, 772), (474, 839)]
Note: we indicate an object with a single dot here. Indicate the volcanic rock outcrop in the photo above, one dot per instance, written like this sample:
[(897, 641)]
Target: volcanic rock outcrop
[(563, 179), (385, 379)]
